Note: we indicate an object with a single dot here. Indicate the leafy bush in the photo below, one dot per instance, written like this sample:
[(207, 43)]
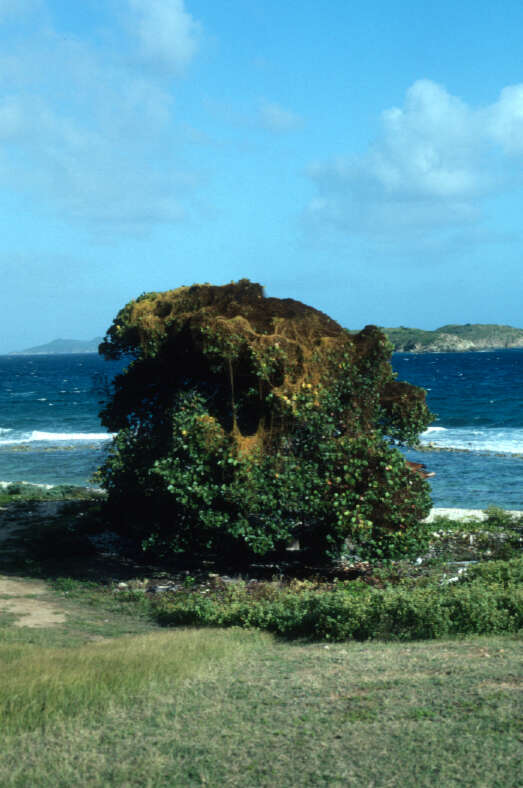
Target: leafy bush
[(496, 518), (15, 488), (500, 573), (355, 611), (244, 422)]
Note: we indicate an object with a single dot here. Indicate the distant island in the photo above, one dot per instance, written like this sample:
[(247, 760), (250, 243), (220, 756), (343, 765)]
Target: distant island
[(61, 347), (447, 339), (455, 338)]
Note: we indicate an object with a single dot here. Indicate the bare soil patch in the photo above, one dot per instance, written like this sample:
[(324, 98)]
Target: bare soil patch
[(12, 587), (23, 595), (22, 601), (33, 613)]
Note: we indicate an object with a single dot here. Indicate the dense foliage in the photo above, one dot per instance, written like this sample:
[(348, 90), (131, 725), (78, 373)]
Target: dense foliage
[(486, 601), (245, 422)]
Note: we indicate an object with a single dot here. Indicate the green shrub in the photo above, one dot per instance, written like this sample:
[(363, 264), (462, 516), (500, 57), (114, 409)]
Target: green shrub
[(15, 488), (356, 611), (499, 519), (500, 573)]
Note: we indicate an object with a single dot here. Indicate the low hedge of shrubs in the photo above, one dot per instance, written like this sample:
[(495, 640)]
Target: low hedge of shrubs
[(487, 600)]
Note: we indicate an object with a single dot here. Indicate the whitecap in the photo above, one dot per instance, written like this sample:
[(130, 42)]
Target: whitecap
[(3, 485), (487, 439), (37, 436)]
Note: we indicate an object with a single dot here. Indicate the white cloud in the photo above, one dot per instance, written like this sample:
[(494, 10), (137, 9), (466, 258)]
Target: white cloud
[(276, 118), (434, 161), (168, 36), (504, 119)]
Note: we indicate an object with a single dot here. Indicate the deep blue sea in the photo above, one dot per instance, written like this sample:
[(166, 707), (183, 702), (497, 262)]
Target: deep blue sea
[(50, 432), (478, 402)]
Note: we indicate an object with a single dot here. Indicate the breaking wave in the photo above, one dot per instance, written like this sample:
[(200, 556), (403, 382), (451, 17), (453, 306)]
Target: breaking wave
[(36, 436), (508, 440)]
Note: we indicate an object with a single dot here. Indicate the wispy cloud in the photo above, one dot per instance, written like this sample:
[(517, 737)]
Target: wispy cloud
[(87, 136), (434, 162), (276, 118), (166, 34)]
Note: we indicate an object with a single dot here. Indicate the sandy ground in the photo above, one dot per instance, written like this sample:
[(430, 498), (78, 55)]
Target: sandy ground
[(23, 598)]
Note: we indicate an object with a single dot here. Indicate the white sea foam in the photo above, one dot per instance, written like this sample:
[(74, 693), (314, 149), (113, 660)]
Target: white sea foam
[(70, 436), (37, 436), (3, 485), (486, 439)]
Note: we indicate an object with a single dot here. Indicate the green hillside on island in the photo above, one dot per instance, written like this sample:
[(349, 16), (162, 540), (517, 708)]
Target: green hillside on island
[(455, 338)]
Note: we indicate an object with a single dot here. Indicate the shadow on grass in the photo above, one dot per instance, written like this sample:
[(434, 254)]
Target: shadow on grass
[(56, 538), (51, 539)]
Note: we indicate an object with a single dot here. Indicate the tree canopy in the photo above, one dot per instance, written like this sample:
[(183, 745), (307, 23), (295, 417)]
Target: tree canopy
[(244, 422)]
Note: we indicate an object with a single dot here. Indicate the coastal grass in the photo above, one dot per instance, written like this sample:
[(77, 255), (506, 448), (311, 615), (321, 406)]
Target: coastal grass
[(43, 684), (237, 708), (111, 698), (16, 492)]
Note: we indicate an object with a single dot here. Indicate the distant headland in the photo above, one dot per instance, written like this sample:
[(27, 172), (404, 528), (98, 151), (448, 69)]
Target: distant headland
[(61, 347), (455, 338), (447, 339)]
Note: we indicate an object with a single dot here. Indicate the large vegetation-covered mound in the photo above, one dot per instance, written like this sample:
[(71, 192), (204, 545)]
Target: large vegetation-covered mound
[(245, 422)]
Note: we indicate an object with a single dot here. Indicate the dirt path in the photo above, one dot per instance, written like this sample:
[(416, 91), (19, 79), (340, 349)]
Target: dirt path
[(19, 597)]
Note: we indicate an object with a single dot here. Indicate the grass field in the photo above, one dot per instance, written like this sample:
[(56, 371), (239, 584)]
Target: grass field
[(242, 709), (106, 697)]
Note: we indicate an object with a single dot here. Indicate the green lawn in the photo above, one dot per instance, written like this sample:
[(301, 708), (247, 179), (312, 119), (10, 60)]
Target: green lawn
[(108, 698), (239, 708)]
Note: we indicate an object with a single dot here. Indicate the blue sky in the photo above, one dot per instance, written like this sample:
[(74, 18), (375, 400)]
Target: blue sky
[(366, 158)]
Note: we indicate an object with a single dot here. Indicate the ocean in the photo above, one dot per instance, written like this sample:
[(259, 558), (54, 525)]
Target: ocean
[(475, 445), (50, 432)]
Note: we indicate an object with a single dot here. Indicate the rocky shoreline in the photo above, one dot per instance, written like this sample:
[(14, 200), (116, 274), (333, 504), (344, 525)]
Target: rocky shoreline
[(466, 338)]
